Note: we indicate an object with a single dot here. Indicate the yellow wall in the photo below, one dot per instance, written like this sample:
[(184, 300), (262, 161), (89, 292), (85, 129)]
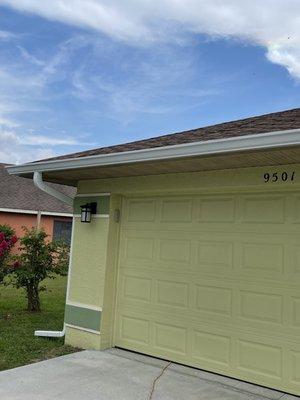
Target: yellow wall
[(88, 262), (195, 182)]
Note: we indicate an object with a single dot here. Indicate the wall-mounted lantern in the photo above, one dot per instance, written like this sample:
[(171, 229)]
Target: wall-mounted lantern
[(87, 210)]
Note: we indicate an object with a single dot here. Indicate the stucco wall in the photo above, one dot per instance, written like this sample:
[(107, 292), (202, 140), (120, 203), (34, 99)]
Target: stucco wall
[(86, 282), (17, 221)]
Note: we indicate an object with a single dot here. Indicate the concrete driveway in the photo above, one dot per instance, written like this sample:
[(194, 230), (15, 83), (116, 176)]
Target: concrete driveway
[(120, 375)]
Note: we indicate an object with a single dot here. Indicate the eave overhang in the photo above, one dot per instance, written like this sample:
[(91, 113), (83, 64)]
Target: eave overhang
[(281, 147)]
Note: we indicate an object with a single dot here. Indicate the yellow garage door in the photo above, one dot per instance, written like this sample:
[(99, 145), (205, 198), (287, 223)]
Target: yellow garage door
[(214, 282)]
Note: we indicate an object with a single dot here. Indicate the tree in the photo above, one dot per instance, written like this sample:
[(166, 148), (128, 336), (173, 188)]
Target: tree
[(38, 259), (7, 240)]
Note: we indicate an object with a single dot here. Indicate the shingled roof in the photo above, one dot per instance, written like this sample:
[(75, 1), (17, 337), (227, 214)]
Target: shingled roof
[(20, 193), (278, 121)]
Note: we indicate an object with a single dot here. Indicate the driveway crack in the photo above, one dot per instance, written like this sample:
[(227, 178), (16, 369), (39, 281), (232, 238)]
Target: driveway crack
[(155, 380)]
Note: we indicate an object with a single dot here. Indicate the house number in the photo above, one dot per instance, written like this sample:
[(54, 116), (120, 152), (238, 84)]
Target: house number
[(279, 177)]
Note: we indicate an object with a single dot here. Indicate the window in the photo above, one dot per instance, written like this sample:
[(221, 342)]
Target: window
[(62, 230)]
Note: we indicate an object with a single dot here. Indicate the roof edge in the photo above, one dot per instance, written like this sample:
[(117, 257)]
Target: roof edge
[(35, 212), (269, 140)]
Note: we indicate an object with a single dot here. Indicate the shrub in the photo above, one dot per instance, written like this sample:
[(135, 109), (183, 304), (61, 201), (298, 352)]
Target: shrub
[(7, 240), (38, 259)]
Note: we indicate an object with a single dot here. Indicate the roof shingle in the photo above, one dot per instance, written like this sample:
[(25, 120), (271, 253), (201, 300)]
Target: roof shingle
[(20, 193), (278, 121)]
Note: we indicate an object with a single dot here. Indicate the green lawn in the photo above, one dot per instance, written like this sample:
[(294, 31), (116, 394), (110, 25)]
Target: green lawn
[(18, 346)]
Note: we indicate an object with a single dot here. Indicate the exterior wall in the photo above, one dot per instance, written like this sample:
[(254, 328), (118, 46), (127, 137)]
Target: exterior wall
[(17, 221), (95, 257), (86, 282)]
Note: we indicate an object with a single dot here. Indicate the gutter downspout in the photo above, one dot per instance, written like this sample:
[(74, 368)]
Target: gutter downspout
[(39, 183)]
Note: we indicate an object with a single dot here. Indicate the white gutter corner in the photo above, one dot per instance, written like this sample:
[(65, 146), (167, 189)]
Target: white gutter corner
[(39, 183)]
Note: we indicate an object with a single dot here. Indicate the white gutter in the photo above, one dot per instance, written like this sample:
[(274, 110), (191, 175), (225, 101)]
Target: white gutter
[(39, 183), (268, 140), (33, 212)]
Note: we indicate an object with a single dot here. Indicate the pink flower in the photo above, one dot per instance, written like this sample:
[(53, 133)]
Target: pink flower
[(14, 239), (4, 245), (2, 236)]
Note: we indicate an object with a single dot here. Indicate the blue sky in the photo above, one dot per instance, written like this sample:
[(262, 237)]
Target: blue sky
[(67, 85)]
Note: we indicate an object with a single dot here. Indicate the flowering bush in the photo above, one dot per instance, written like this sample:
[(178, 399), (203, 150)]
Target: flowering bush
[(38, 259), (7, 240)]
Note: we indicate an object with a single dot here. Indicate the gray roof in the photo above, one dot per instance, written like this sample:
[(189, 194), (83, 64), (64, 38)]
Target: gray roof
[(20, 193), (278, 121)]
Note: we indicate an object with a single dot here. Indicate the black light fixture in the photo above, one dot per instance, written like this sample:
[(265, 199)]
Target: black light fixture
[(87, 210)]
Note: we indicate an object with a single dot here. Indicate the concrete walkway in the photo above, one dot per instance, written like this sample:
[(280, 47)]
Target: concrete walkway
[(120, 375)]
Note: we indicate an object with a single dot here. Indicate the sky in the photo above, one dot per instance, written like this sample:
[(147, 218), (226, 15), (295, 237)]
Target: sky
[(79, 74)]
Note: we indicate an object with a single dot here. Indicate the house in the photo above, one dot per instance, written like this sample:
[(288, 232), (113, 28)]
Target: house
[(22, 204), (192, 253)]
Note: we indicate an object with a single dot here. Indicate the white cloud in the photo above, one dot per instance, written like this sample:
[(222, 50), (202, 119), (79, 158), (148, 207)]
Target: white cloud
[(273, 24), (5, 35), (13, 151), (16, 148), (159, 81), (19, 155), (38, 140), (9, 123), (25, 82)]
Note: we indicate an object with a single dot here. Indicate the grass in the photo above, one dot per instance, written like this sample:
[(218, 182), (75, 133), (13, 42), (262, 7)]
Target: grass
[(18, 346)]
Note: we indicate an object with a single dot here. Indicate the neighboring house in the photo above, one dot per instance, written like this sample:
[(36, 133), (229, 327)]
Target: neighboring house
[(22, 204), (193, 254)]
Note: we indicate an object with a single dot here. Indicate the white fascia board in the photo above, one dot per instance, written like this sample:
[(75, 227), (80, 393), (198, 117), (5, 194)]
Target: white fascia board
[(56, 214), (269, 140), (33, 212), (18, 211)]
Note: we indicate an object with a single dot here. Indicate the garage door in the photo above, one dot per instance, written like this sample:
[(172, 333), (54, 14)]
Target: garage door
[(214, 282)]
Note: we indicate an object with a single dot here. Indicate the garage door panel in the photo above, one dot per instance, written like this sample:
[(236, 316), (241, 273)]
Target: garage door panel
[(176, 211), (213, 282), (139, 248), (260, 359), (294, 370), (170, 338), (214, 300), (252, 255), (264, 306), (136, 288), (171, 293), (214, 255), (175, 251), (261, 307), (134, 331), (263, 257), (211, 348), (217, 210), (294, 264), (294, 312), (140, 210), (295, 205), (262, 209)]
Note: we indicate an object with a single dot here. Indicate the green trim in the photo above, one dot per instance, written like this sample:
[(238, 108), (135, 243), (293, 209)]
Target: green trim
[(102, 204), (83, 317)]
